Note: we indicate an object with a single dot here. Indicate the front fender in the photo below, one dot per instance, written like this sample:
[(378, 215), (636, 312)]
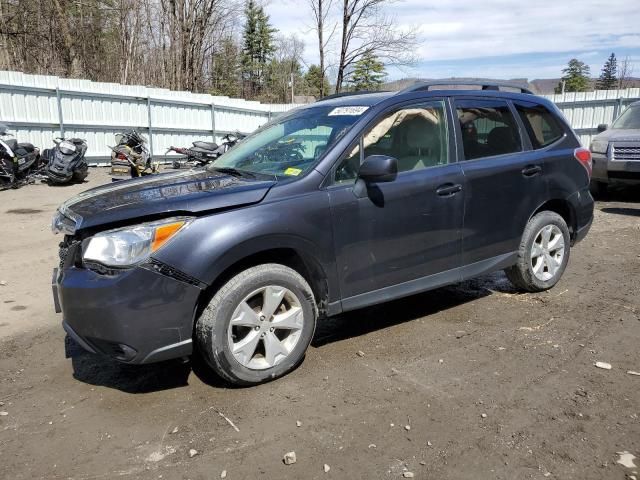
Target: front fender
[(212, 244)]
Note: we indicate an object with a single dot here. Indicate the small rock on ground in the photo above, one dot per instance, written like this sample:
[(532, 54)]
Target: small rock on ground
[(298, 423), (223, 474), (175, 430), (289, 458), (604, 365), (360, 353), (4, 414), (326, 468), (484, 415), (192, 453), (407, 474)]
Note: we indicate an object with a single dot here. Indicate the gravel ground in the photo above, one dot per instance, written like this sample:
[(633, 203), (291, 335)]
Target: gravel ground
[(469, 381)]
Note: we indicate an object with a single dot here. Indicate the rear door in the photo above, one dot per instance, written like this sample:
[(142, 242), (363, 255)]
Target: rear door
[(504, 179)]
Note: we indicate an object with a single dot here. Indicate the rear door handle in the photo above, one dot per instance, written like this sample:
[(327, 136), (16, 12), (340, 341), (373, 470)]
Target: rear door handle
[(448, 189), (531, 170)]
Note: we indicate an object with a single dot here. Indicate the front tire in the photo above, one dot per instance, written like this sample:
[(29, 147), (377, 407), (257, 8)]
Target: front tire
[(258, 326), (543, 253)]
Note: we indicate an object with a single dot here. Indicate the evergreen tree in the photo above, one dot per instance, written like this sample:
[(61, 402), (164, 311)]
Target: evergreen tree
[(575, 77), (368, 73), (608, 78), (257, 48), (314, 80)]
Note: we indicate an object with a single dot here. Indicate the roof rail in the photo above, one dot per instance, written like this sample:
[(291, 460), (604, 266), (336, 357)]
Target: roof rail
[(485, 84), (348, 94)]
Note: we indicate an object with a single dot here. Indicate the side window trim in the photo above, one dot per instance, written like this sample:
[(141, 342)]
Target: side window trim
[(525, 141), (442, 102), (458, 131)]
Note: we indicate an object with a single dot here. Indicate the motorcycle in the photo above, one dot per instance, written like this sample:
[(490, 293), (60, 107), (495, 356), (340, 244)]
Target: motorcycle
[(130, 157), (66, 162), (202, 153), (19, 162)]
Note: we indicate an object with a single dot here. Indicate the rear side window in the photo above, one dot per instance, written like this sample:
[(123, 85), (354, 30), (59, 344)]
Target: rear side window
[(488, 128), (541, 125)]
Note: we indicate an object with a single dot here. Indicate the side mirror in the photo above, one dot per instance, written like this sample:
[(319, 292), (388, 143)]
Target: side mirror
[(378, 168), (602, 127)]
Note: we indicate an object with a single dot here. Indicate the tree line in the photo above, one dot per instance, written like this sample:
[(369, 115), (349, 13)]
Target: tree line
[(576, 77), (222, 47)]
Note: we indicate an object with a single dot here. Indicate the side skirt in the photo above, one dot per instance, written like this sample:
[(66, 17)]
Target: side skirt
[(423, 284)]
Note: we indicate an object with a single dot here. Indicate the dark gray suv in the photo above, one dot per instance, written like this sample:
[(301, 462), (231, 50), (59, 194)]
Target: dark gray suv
[(344, 203)]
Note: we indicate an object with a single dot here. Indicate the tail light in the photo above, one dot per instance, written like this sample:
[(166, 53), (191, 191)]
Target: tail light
[(583, 155), (121, 156)]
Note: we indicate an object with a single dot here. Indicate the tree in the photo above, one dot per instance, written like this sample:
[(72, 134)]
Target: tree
[(608, 79), (257, 48), (320, 10), (368, 73), (316, 83), (285, 67), (366, 30), (575, 77), (625, 72)]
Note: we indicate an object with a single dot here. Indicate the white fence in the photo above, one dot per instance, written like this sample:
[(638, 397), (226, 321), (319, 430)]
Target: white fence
[(586, 110), (38, 108)]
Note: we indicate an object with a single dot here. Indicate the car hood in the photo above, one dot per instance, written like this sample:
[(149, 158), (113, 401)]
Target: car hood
[(619, 135), (193, 191)]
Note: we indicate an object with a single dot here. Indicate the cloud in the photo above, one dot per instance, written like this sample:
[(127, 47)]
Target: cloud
[(462, 30)]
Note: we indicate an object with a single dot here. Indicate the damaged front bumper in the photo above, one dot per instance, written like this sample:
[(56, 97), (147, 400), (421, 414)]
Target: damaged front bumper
[(139, 315)]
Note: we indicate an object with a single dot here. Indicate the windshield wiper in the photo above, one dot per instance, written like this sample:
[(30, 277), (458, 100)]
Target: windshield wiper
[(234, 172)]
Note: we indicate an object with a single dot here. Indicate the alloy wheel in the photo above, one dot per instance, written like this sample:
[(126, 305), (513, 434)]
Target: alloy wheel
[(547, 252), (265, 327)]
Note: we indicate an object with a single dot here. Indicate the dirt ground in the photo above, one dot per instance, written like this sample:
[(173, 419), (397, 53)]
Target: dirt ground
[(471, 381)]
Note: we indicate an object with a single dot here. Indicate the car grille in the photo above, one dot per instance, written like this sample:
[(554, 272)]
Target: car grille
[(624, 153)]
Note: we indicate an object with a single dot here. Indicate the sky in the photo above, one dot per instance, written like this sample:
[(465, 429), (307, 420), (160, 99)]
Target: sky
[(494, 38)]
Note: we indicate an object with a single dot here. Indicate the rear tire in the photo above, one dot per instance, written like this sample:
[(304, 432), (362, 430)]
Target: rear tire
[(246, 344), (543, 253)]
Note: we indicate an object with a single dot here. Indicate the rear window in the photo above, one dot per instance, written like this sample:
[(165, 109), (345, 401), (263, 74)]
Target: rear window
[(488, 128), (541, 125)]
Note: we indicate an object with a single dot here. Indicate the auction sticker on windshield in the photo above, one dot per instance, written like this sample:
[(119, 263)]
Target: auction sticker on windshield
[(348, 111), (293, 171)]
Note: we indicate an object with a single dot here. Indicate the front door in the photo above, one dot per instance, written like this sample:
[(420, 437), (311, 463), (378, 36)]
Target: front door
[(401, 231)]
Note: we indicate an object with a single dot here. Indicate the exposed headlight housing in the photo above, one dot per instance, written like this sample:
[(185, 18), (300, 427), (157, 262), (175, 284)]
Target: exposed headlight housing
[(130, 246), (65, 221), (599, 146)]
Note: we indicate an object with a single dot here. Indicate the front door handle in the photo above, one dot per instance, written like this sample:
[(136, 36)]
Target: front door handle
[(531, 170), (448, 189)]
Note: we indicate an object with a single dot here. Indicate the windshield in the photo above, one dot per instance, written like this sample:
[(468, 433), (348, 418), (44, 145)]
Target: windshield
[(630, 119), (291, 146)]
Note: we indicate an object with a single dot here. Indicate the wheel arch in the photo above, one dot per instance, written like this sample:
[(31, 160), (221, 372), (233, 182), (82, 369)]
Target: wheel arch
[(299, 259), (563, 208)]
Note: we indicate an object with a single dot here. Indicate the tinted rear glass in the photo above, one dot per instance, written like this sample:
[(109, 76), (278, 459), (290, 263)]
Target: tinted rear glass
[(541, 125), (488, 128)]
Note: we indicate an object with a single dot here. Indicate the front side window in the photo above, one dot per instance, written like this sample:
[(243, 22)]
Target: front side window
[(488, 128), (630, 119), (292, 145), (416, 136), (540, 124)]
